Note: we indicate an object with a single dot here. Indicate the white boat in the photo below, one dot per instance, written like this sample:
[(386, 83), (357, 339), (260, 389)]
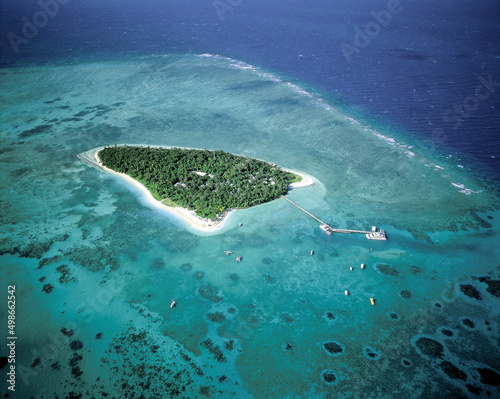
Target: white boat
[(376, 235), (326, 229), (172, 305)]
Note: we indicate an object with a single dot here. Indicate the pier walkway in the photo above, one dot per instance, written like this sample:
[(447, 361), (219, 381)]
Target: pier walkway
[(325, 227)]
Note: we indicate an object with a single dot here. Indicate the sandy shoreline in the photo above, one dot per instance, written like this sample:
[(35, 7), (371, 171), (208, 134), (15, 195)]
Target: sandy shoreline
[(91, 157)]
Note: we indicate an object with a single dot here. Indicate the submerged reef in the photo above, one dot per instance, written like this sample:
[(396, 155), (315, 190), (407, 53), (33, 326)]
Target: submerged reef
[(452, 371), (387, 270), (209, 292), (47, 288), (334, 348), (470, 291), (430, 348), (371, 353), (329, 377), (214, 350)]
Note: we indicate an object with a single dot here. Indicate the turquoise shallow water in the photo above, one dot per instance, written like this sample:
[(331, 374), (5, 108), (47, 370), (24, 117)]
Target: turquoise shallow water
[(115, 263)]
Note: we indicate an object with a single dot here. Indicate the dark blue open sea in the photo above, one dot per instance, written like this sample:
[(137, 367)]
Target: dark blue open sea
[(392, 106)]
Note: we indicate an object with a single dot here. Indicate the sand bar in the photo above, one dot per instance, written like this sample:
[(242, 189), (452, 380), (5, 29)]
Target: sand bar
[(91, 157)]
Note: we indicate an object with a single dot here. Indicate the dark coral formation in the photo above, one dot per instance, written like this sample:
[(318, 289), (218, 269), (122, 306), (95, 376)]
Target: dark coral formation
[(473, 389), (47, 261), (468, 323), (269, 279), (199, 275), (74, 362), (415, 269), (387, 270), (214, 350), (334, 348), (286, 318), (470, 291), (330, 316), (493, 287), (393, 316), (489, 376), (146, 371), (371, 353), (158, 264), (34, 131), (447, 332), (216, 317), (65, 274), (94, 259), (209, 292), (47, 288), (76, 345), (430, 347), (452, 371), (329, 377), (186, 267), (405, 294), (68, 333), (406, 362), (33, 249)]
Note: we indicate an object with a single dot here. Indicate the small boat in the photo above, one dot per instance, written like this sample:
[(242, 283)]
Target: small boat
[(326, 229), (312, 252), (351, 269), (346, 292), (238, 258), (173, 304), (363, 266), (372, 301), (240, 224), (228, 253)]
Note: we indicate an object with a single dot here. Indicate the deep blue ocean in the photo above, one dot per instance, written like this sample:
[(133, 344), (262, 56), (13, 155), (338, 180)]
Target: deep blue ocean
[(391, 107)]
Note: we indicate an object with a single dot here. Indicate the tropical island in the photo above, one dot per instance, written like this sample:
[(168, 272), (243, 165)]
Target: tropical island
[(202, 186)]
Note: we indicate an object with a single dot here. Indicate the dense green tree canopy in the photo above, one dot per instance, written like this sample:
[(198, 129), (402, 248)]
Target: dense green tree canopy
[(205, 181)]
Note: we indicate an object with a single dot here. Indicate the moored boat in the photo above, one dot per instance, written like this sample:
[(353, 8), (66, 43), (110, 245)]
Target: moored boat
[(326, 229), (376, 235)]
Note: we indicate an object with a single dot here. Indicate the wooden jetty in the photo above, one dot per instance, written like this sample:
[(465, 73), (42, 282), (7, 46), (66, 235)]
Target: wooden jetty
[(329, 229)]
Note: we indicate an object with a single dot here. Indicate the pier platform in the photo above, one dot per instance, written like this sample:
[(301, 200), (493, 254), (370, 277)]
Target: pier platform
[(371, 235)]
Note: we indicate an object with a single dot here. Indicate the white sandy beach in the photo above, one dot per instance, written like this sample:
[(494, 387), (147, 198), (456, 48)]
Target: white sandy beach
[(92, 157)]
